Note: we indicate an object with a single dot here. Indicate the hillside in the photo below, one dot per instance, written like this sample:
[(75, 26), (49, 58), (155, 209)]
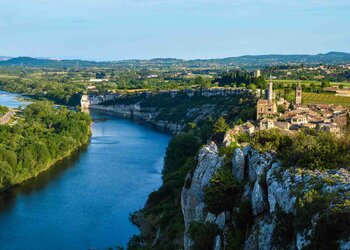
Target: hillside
[(240, 61)]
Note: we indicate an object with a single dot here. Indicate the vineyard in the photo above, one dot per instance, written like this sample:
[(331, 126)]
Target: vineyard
[(317, 98)]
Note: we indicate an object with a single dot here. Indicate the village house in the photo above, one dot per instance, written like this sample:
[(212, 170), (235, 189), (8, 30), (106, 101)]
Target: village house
[(266, 124), (247, 128), (298, 120), (326, 117)]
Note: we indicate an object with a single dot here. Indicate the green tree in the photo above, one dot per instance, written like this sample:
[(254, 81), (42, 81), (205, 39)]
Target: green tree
[(180, 148)]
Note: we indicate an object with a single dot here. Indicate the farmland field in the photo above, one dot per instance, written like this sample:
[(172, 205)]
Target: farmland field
[(308, 82), (317, 98)]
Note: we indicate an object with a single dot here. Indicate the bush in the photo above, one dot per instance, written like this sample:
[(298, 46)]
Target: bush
[(220, 128), (284, 232), (180, 148), (203, 235), (307, 205), (222, 192), (330, 228), (308, 149)]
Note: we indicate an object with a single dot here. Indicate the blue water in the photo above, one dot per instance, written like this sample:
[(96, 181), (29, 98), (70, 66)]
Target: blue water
[(11, 100), (85, 201)]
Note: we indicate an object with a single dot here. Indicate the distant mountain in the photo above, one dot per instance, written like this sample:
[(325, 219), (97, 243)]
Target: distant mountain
[(4, 58), (50, 63), (240, 61), (328, 58)]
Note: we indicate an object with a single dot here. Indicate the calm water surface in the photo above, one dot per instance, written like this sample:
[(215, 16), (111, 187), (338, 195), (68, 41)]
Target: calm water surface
[(85, 201)]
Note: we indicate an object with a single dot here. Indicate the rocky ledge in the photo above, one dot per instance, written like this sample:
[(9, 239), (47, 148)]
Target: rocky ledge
[(287, 203)]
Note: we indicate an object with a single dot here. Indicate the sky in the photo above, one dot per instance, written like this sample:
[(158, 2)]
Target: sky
[(143, 29)]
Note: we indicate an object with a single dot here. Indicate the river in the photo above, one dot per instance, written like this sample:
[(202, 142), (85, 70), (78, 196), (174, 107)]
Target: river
[(84, 202)]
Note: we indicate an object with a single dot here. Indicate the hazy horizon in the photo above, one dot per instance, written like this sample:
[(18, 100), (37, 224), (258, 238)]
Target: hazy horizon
[(127, 59), (112, 30)]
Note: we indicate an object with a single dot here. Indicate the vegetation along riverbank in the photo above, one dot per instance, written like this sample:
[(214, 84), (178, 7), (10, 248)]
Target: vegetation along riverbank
[(42, 136)]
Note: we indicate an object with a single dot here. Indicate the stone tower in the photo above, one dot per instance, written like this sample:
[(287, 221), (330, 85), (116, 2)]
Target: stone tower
[(298, 92), (270, 91)]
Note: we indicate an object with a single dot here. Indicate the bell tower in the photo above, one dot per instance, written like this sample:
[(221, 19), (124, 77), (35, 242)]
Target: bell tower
[(270, 94), (298, 93)]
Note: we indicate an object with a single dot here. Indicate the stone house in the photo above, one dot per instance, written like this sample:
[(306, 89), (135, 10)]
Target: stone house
[(266, 124)]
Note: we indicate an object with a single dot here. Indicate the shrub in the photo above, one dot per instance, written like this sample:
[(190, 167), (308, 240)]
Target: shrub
[(330, 228), (203, 235), (222, 192), (307, 206), (284, 231), (180, 148)]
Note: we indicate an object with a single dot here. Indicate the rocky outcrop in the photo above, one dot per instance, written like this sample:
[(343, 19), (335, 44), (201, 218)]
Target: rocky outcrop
[(260, 235), (238, 164), (258, 199), (192, 198), (275, 194)]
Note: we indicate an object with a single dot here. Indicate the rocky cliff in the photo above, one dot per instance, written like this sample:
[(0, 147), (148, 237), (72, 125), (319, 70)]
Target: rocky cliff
[(171, 111), (290, 208)]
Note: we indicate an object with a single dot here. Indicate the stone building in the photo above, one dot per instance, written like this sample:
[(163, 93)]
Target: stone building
[(267, 107), (266, 124), (298, 93)]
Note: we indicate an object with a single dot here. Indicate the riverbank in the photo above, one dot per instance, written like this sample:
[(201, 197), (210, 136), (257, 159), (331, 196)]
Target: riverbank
[(44, 169), (43, 136)]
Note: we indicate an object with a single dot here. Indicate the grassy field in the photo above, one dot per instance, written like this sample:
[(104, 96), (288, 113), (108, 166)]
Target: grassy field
[(317, 98), (307, 83)]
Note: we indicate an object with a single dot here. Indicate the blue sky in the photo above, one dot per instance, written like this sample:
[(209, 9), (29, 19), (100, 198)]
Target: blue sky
[(128, 29)]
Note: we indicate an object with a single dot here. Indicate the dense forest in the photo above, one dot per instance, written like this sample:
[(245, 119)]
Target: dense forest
[(41, 136)]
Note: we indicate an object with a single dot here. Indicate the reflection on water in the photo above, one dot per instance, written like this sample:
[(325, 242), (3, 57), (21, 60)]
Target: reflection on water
[(8, 197)]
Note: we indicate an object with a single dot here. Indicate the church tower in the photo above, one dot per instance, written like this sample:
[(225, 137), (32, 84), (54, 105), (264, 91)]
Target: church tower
[(270, 95), (298, 92)]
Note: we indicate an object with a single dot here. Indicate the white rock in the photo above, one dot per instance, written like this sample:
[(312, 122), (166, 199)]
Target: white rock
[(192, 198), (259, 202), (210, 218), (220, 220), (344, 244), (279, 185), (266, 228), (303, 240), (238, 164), (246, 196), (258, 164), (217, 245), (251, 242)]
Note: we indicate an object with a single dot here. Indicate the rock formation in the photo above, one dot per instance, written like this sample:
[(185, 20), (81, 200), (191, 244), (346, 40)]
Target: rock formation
[(192, 199), (275, 194)]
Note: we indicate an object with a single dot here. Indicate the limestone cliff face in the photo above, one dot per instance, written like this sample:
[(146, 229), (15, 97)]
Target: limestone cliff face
[(172, 110), (192, 198), (273, 192), (131, 111)]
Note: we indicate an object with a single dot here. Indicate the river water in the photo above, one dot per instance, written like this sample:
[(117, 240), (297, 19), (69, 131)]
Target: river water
[(84, 202)]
